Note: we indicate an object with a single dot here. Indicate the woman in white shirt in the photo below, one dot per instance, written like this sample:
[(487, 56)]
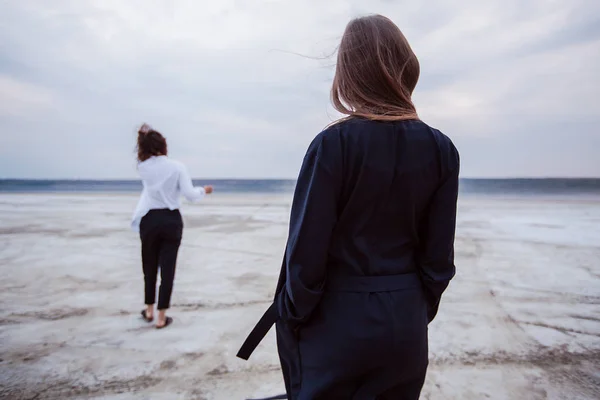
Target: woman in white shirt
[(158, 220)]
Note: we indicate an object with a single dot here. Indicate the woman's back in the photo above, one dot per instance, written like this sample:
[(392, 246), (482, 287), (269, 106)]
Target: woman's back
[(160, 176), (165, 181), (390, 174)]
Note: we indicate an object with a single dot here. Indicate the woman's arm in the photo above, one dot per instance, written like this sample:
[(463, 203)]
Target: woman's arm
[(187, 186), (313, 217), (436, 258)]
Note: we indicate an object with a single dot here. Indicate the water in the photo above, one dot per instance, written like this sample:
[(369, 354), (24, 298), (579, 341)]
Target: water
[(491, 187), (134, 186), (531, 187)]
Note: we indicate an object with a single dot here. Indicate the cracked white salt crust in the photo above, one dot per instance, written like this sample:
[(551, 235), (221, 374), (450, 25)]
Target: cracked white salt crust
[(521, 320)]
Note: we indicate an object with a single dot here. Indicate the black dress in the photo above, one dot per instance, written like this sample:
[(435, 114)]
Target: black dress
[(369, 253)]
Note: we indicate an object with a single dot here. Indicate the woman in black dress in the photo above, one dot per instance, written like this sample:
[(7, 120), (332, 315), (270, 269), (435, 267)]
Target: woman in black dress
[(370, 247)]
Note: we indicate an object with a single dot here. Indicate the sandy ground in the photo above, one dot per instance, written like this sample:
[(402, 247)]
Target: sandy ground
[(520, 321)]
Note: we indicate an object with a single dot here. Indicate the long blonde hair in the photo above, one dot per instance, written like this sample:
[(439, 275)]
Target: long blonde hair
[(376, 71)]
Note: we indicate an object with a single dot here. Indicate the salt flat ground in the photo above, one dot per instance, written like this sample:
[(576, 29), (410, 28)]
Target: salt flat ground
[(521, 320)]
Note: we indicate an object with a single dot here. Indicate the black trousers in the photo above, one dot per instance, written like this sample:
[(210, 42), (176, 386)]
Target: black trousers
[(160, 232)]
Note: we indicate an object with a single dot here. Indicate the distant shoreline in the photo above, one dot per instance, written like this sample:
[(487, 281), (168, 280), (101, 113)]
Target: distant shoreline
[(509, 187), (550, 178)]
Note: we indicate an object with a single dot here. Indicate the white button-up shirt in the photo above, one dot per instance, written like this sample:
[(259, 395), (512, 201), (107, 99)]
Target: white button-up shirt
[(164, 181)]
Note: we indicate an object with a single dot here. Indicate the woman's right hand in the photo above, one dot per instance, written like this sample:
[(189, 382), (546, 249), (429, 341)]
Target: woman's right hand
[(208, 189)]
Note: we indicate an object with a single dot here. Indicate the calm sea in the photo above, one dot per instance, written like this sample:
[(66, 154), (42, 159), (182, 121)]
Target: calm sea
[(493, 187)]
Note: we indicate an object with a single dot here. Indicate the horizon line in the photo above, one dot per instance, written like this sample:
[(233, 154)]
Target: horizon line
[(293, 179)]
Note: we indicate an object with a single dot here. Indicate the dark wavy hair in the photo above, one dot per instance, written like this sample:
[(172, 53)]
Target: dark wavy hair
[(150, 143), (376, 71)]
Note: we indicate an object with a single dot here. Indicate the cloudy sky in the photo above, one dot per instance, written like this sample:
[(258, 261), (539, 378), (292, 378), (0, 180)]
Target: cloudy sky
[(515, 83)]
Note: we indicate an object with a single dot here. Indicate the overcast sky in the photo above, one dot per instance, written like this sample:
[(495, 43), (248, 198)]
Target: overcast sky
[(515, 84)]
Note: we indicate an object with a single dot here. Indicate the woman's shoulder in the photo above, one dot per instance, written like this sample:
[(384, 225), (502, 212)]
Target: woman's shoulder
[(445, 146), (166, 160), (176, 165), (442, 140), (167, 164), (438, 134), (335, 130)]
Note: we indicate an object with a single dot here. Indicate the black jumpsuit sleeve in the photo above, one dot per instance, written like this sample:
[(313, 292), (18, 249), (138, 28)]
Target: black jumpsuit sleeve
[(313, 218), (436, 258)]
